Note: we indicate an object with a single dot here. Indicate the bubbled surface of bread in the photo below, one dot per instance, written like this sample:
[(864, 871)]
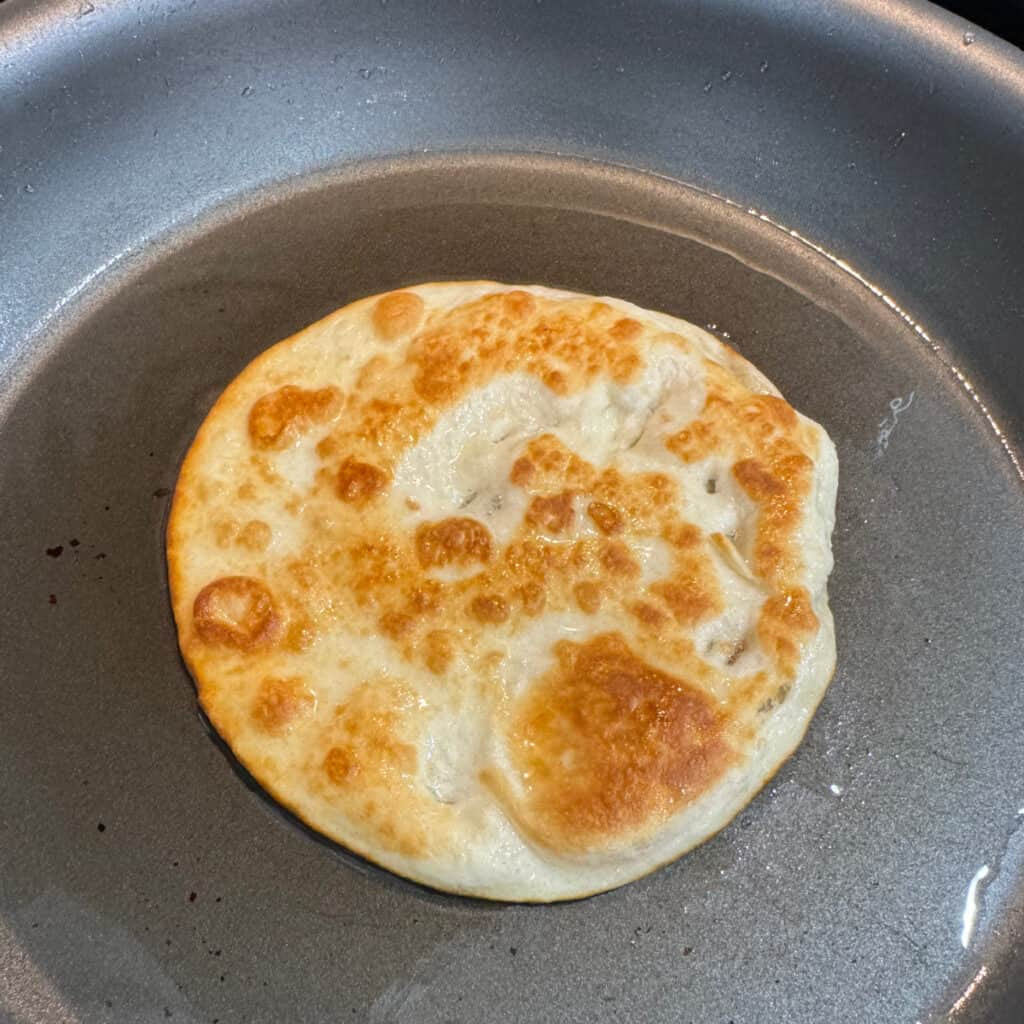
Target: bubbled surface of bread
[(518, 593)]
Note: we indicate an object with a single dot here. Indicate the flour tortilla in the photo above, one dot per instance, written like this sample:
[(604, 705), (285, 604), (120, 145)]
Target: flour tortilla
[(516, 592)]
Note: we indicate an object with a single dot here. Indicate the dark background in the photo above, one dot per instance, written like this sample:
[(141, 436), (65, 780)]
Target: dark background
[(1003, 17)]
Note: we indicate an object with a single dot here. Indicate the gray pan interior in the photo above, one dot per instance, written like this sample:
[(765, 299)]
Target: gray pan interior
[(183, 184)]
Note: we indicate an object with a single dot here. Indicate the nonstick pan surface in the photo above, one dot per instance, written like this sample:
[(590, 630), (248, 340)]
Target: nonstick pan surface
[(837, 187)]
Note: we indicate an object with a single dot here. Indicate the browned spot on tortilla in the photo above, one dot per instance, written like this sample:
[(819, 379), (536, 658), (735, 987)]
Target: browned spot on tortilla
[(588, 596), (255, 535), (491, 609), (438, 650), (277, 417), (280, 703), (358, 482), (607, 519), (455, 541), (238, 612), (606, 747), (785, 622), (397, 313), (553, 513)]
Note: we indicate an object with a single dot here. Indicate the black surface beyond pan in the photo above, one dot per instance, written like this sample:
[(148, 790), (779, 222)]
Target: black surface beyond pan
[(182, 184)]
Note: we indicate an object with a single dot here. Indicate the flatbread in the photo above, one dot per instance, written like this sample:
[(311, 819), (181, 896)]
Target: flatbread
[(516, 592)]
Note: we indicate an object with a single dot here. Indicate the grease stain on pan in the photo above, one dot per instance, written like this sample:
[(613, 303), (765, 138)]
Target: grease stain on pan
[(970, 912), (887, 426)]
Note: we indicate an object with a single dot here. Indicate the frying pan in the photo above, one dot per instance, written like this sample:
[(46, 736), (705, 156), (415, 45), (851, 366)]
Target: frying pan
[(836, 187)]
